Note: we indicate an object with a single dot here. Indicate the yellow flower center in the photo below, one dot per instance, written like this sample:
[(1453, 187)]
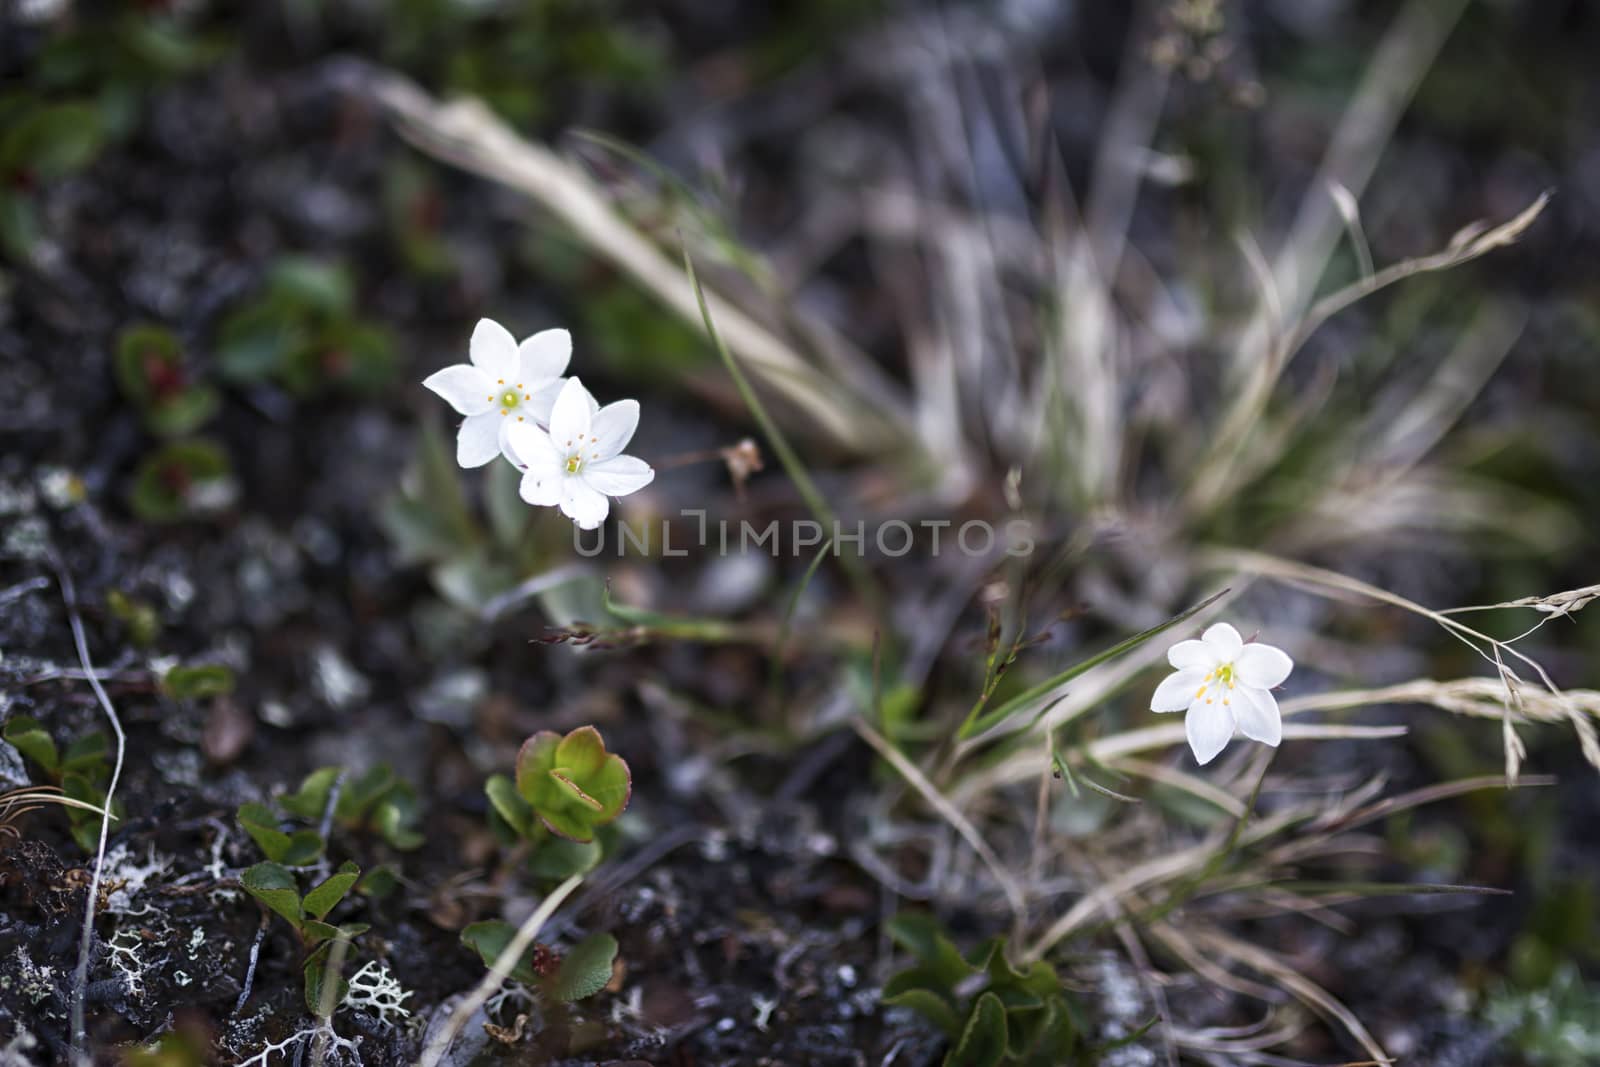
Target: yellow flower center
[(574, 463), (1222, 678)]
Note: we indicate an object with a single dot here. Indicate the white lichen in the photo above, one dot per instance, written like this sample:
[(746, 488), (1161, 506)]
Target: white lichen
[(376, 992), (126, 954), (127, 879)]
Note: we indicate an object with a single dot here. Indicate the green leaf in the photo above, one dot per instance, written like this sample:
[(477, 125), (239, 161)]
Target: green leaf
[(137, 346), (310, 801), (930, 1005), (586, 969), (180, 480), (274, 886), (394, 819), (490, 938), (19, 224), (983, 1040), (254, 342), (295, 849), (557, 857), (52, 140), (184, 412), (308, 284), (199, 682), (509, 805), (942, 965), (322, 899), (316, 978), (572, 783), (682, 627), (378, 882), (85, 825), (31, 739), (90, 753), (509, 516), (358, 795), (978, 721)]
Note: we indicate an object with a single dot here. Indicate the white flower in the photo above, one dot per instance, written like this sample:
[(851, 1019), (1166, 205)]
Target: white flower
[(579, 462), (1222, 683), (505, 385)]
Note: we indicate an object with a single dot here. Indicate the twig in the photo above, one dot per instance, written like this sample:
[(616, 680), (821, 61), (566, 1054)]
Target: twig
[(255, 956), (80, 977), (434, 1053)]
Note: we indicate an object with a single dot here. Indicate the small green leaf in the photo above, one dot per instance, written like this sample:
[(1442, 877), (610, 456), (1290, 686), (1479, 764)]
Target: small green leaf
[(311, 799), (199, 682), (509, 805), (322, 899), (315, 931), (557, 858), (182, 479), (52, 140), (490, 938), (254, 342), (296, 849), (393, 820), (573, 785), (983, 1040), (586, 969), (316, 978), (942, 966), (358, 795), (378, 882), (274, 886), (311, 285), (930, 1006), (31, 739)]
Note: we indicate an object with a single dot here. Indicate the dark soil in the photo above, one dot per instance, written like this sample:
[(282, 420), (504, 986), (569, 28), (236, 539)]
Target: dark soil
[(748, 933)]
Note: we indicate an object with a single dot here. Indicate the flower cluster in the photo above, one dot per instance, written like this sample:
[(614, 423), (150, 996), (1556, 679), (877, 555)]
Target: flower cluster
[(518, 405), (1223, 683)]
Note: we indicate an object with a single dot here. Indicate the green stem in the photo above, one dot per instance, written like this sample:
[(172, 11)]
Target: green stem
[(865, 587)]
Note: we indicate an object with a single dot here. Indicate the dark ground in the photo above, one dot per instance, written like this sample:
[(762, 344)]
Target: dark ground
[(748, 935)]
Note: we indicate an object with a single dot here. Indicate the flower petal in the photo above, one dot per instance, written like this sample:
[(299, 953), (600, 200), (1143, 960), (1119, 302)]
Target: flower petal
[(570, 416), (464, 387), (540, 488), (583, 505), (531, 448), (544, 355), (1210, 728), (543, 399), (1262, 666), (1192, 656), (613, 428), (1176, 691), (1257, 712), (618, 476), (541, 481), (479, 439), (494, 351), (1224, 640)]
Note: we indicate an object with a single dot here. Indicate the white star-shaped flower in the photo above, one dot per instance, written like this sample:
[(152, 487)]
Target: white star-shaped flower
[(579, 463), (1223, 683), (507, 384)]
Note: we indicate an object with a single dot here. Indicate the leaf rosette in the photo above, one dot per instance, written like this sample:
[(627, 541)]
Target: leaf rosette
[(572, 783)]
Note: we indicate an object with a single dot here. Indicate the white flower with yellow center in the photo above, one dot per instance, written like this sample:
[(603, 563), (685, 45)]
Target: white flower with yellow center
[(507, 384), (579, 463), (1224, 683)]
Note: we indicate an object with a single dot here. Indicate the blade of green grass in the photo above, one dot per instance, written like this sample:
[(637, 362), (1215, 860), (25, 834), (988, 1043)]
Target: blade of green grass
[(866, 588), (775, 678), (978, 722)]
